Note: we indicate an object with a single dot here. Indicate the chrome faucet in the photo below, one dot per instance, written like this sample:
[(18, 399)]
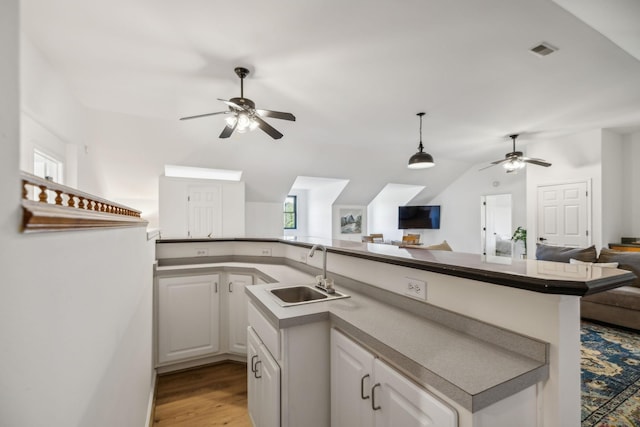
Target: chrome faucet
[(322, 285)]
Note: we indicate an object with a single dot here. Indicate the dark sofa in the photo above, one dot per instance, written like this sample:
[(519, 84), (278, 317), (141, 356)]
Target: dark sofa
[(620, 306)]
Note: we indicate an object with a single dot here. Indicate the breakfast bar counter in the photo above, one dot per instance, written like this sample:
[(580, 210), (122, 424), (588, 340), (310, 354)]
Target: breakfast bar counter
[(537, 300)]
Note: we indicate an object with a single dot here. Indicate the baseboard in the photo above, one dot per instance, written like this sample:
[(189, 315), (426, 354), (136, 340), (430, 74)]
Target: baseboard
[(151, 406), (165, 369)]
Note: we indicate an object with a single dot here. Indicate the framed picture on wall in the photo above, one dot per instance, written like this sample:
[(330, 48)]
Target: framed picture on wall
[(350, 221)]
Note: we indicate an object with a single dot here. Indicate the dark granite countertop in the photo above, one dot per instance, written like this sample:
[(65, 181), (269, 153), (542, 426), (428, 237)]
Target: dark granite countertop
[(537, 276)]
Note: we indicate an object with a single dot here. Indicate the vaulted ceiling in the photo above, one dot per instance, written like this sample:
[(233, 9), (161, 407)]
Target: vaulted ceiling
[(355, 73)]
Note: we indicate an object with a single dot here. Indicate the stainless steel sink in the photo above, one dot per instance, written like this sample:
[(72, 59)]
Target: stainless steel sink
[(303, 294)]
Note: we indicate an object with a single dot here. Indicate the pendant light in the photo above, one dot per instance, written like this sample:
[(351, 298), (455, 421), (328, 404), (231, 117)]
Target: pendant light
[(421, 160)]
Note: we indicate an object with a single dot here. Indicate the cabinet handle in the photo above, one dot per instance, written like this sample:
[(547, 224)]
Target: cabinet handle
[(216, 287), (230, 286), (255, 373), (362, 396), (253, 361), (373, 398)]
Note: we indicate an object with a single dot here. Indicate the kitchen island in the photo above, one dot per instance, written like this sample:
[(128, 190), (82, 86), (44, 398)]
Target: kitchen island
[(476, 299)]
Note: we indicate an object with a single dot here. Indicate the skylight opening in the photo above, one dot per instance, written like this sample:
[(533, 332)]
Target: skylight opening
[(202, 173)]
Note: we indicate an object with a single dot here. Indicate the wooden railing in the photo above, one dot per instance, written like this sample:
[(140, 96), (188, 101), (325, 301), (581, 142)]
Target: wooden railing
[(47, 206)]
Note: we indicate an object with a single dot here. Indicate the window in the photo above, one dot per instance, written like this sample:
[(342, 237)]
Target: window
[(47, 167), (291, 213)]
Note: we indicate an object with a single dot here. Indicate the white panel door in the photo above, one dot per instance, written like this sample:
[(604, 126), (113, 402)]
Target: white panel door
[(238, 316), (399, 402), (351, 381), (564, 215), (205, 211), (188, 319)]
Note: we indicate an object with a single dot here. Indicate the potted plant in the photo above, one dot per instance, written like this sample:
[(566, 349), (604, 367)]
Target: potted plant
[(521, 235)]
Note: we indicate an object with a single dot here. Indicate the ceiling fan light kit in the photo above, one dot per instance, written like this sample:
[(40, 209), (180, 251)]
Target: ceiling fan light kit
[(245, 117), (515, 160), (421, 160)]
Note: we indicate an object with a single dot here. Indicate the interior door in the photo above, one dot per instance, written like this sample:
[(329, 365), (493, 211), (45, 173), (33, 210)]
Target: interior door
[(205, 211), (564, 215), (496, 225)]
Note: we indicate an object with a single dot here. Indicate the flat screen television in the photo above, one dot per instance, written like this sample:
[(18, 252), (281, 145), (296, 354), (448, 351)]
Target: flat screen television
[(418, 217)]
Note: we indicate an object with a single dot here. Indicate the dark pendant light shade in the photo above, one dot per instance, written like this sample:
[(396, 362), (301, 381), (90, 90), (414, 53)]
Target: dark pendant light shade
[(421, 160)]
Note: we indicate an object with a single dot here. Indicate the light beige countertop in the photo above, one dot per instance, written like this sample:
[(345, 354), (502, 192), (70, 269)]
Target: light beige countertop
[(473, 372)]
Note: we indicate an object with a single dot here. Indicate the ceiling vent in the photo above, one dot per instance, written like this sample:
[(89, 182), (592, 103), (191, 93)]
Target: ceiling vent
[(543, 49)]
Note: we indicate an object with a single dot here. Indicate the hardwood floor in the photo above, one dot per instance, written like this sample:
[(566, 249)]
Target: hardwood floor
[(214, 395)]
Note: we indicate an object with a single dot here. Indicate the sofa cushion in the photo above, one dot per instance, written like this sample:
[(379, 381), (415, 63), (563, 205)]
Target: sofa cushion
[(624, 296), (601, 264), (629, 261), (564, 254)]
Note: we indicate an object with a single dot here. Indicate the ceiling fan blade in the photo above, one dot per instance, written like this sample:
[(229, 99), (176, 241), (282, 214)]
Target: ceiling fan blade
[(277, 115), (487, 167), (231, 104), (538, 162), (497, 162), (203, 115), (228, 130), (266, 127)]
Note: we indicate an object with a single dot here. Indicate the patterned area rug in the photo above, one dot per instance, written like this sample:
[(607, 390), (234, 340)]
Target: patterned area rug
[(610, 371)]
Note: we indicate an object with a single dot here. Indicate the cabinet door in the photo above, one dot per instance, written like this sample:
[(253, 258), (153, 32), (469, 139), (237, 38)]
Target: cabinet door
[(268, 372), (253, 392), (238, 319), (399, 402), (188, 317), (263, 383), (351, 382)]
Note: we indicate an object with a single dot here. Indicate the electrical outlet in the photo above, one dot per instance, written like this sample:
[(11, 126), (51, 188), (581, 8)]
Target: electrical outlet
[(265, 252), (202, 252), (302, 257), (416, 288)]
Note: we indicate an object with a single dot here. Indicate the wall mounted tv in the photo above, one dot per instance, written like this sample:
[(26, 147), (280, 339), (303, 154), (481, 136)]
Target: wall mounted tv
[(418, 217)]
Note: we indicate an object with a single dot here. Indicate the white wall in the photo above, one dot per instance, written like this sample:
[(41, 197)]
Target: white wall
[(612, 187), (460, 222), (263, 219), (75, 312), (52, 120), (631, 185), (574, 158), (319, 208)]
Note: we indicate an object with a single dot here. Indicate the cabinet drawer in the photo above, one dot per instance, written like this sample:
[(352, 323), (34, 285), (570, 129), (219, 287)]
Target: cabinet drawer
[(265, 330)]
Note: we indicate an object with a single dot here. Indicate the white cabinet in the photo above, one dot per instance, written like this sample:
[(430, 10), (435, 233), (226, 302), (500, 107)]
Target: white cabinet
[(189, 310), (351, 370), (263, 374), (237, 311), (367, 392), (302, 355), (201, 316)]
